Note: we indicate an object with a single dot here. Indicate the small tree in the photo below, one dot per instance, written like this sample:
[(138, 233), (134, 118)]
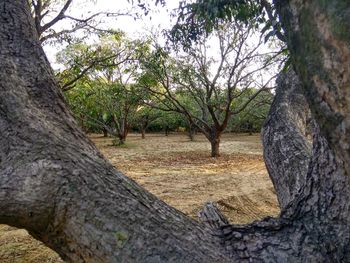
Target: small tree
[(111, 81), (205, 87), (145, 116)]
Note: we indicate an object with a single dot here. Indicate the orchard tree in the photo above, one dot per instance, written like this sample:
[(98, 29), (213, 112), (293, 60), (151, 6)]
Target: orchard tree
[(144, 117), (87, 109), (82, 61), (110, 80), (56, 184), (205, 87)]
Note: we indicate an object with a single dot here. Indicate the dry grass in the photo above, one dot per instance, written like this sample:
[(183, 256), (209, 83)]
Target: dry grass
[(182, 174)]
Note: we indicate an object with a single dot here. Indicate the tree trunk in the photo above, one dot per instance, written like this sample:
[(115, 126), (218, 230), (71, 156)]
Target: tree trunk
[(122, 139), (215, 144), (143, 128), (143, 132), (318, 39), (286, 162), (82, 122), (105, 132), (214, 139), (191, 131), (56, 184)]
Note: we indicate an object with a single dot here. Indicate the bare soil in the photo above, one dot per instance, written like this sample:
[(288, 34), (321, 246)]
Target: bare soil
[(182, 174)]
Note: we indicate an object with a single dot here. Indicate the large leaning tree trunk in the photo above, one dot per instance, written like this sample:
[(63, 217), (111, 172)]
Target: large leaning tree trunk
[(55, 183), (287, 151)]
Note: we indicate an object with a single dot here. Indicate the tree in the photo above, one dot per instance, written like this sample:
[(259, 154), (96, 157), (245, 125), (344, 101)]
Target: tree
[(205, 88), (113, 97), (145, 116), (57, 185)]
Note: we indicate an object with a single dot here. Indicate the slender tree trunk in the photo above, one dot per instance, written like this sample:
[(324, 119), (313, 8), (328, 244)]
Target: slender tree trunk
[(143, 132), (214, 138), (191, 131), (56, 184), (286, 162), (105, 132)]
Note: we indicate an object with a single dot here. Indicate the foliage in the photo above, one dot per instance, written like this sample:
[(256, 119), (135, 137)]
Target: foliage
[(252, 118), (107, 94)]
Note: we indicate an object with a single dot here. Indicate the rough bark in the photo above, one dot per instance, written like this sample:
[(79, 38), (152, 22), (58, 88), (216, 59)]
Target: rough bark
[(313, 227), (319, 42), (287, 151), (57, 185), (215, 147), (211, 216)]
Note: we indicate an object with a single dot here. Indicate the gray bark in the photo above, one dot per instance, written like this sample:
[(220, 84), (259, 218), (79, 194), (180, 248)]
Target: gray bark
[(287, 151), (56, 184), (211, 216), (215, 147)]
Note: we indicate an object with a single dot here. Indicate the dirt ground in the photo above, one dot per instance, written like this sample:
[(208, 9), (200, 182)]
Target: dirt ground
[(181, 173)]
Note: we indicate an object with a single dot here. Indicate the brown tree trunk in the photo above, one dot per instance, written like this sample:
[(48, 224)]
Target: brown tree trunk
[(143, 132), (56, 184), (122, 139), (191, 131), (105, 132), (215, 146)]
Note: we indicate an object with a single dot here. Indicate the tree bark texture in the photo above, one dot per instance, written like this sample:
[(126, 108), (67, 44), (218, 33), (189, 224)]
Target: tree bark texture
[(319, 41), (214, 135), (287, 151), (56, 184)]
